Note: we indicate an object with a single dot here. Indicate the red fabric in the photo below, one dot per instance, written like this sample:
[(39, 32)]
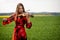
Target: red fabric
[(7, 21), (19, 30), (28, 25)]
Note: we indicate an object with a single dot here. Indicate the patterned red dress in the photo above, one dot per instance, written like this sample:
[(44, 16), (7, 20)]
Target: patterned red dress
[(19, 30)]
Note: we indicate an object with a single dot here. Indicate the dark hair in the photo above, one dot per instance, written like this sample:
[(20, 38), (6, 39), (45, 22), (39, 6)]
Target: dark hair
[(20, 4)]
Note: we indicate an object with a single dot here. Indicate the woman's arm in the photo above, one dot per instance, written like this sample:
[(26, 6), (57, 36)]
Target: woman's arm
[(8, 20), (28, 23)]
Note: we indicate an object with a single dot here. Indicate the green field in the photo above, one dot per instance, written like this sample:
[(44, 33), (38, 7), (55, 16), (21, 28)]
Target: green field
[(43, 28)]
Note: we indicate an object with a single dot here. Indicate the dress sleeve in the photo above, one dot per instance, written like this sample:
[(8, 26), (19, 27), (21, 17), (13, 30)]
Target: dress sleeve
[(8, 20), (28, 25)]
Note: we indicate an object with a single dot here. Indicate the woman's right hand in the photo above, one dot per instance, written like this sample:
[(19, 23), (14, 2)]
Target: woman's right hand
[(4, 19)]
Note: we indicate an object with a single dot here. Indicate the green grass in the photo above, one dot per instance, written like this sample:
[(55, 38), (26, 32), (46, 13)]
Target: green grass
[(43, 28)]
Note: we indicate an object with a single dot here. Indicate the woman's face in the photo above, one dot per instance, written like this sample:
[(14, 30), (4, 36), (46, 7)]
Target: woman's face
[(20, 9)]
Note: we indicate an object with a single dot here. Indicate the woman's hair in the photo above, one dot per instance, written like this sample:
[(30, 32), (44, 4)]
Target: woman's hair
[(17, 8)]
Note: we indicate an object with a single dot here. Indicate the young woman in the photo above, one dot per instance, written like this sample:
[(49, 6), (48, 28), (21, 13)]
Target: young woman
[(21, 18)]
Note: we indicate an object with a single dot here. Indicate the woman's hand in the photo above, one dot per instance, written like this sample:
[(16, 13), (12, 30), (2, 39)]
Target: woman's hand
[(4, 19)]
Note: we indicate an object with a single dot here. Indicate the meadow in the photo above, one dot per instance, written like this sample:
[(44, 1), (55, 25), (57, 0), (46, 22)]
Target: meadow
[(43, 28)]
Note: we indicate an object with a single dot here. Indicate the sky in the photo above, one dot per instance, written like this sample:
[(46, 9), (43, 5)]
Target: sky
[(31, 5)]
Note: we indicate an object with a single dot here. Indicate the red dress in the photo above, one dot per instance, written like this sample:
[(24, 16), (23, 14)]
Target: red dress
[(19, 30)]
